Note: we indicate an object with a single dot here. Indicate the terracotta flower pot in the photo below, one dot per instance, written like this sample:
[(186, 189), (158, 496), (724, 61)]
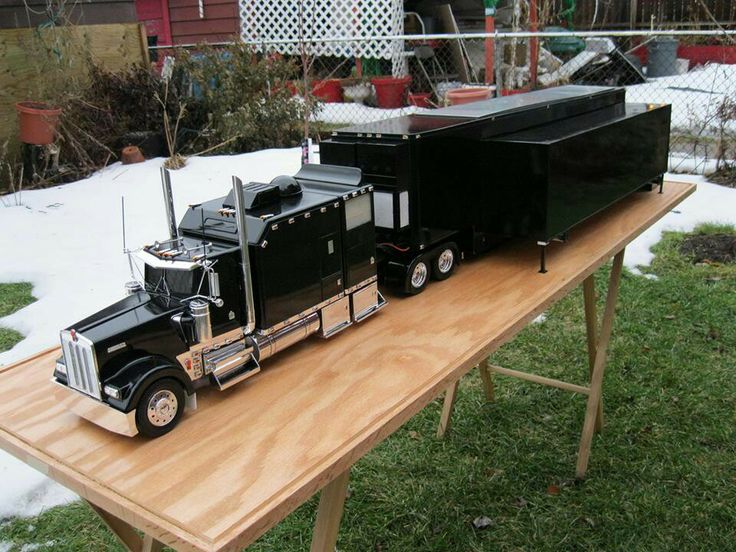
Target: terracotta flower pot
[(38, 122), (131, 154), (391, 91), (460, 96), (420, 99), (328, 90)]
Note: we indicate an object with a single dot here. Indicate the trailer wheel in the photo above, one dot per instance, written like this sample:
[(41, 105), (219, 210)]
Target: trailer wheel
[(443, 265), (160, 408), (417, 276)]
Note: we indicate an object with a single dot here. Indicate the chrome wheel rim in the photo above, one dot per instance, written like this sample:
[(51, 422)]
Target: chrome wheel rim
[(162, 408), (445, 261), (419, 276)]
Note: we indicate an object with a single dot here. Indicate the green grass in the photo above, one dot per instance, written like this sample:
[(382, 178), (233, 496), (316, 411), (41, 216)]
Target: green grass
[(662, 475), (13, 297)]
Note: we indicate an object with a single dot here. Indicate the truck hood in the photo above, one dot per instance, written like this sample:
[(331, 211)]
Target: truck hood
[(126, 316)]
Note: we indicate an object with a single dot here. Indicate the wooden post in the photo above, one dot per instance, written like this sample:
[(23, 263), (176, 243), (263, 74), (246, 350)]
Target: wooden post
[(447, 406), (331, 505), (591, 328), (486, 376), (126, 534), (596, 382)]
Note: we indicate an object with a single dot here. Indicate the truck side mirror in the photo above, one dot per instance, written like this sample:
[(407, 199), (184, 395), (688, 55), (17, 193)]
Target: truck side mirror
[(214, 282)]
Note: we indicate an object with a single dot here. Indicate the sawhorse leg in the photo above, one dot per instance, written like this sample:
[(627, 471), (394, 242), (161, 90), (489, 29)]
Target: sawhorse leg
[(329, 513), (594, 405), (127, 535), (591, 327), (597, 351), (484, 368)]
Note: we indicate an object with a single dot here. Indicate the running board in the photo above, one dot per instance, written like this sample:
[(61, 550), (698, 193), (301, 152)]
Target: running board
[(227, 378)]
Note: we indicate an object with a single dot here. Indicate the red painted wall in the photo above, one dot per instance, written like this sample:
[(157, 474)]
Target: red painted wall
[(154, 14)]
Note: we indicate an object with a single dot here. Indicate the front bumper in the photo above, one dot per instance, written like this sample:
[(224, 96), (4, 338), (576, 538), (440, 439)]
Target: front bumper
[(96, 411)]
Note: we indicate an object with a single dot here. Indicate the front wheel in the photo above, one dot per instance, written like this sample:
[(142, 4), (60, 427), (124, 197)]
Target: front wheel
[(160, 408)]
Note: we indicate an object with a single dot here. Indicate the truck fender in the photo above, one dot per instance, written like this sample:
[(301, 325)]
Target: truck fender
[(144, 371)]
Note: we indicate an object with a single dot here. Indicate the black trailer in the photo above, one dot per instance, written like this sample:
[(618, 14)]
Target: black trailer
[(456, 181)]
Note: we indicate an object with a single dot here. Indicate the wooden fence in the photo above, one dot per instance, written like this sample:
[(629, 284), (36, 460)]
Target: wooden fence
[(25, 53)]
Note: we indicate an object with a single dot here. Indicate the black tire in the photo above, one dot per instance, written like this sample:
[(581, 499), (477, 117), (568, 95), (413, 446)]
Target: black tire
[(444, 262), (154, 420), (417, 277)]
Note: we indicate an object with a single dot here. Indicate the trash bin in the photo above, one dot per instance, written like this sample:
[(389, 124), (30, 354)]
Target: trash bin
[(662, 57)]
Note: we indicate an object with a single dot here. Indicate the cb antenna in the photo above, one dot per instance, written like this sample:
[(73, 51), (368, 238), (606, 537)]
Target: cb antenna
[(125, 247)]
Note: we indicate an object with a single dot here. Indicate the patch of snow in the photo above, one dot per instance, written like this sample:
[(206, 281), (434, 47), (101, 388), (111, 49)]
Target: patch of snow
[(27, 492), (6, 546), (710, 203), (695, 95)]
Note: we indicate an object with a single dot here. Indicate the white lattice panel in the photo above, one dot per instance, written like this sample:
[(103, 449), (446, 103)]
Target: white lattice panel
[(266, 21)]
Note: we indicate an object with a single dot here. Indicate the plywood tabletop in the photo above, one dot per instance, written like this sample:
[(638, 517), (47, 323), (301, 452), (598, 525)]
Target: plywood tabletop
[(250, 455)]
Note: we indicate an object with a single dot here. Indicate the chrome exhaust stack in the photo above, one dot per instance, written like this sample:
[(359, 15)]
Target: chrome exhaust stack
[(169, 204), (245, 256)]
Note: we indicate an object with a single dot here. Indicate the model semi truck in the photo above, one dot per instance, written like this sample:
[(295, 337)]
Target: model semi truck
[(247, 275), (241, 278)]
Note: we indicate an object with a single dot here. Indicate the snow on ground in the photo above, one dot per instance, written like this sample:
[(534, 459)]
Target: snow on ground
[(67, 242), (695, 95), (710, 203)]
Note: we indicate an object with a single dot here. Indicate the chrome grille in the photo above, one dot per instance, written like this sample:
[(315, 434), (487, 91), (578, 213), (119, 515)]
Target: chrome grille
[(81, 364)]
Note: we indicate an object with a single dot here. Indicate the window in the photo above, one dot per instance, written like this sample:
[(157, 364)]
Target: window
[(357, 211)]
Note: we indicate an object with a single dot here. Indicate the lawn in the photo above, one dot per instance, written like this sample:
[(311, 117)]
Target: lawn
[(662, 475), (12, 298)]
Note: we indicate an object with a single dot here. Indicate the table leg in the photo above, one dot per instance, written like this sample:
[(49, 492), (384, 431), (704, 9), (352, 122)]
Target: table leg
[(447, 406), (331, 505), (486, 376), (127, 535), (596, 380), (591, 327)]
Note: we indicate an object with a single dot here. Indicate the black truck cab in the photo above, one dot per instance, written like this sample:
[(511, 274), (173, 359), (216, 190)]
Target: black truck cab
[(241, 278)]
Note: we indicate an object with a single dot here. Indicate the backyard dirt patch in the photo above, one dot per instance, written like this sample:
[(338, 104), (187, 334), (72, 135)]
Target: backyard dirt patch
[(710, 248)]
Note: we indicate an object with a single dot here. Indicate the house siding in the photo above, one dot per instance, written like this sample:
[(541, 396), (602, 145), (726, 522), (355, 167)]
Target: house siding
[(221, 22), (13, 13)]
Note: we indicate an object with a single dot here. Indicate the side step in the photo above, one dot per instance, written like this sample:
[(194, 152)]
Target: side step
[(231, 364), (229, 376)]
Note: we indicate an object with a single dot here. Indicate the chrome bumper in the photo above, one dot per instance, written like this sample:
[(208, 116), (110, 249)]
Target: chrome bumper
[(96, 411)]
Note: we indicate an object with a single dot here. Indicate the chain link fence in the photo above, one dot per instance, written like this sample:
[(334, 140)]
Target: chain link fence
[(694, 71)]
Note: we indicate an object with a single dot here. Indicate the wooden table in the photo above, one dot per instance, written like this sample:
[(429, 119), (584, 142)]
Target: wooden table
[(251, 455)]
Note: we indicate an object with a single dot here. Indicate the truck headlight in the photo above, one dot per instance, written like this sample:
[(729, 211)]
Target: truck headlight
[(111, 391), (61, 367)]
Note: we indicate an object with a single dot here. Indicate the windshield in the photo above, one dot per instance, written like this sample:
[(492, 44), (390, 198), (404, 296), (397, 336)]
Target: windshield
[(167, 281)]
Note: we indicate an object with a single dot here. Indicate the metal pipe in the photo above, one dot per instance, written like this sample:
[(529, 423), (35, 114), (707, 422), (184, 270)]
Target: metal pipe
[(462, 36), (201, 313), (245, 256), (169, 204), (495, 35)]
